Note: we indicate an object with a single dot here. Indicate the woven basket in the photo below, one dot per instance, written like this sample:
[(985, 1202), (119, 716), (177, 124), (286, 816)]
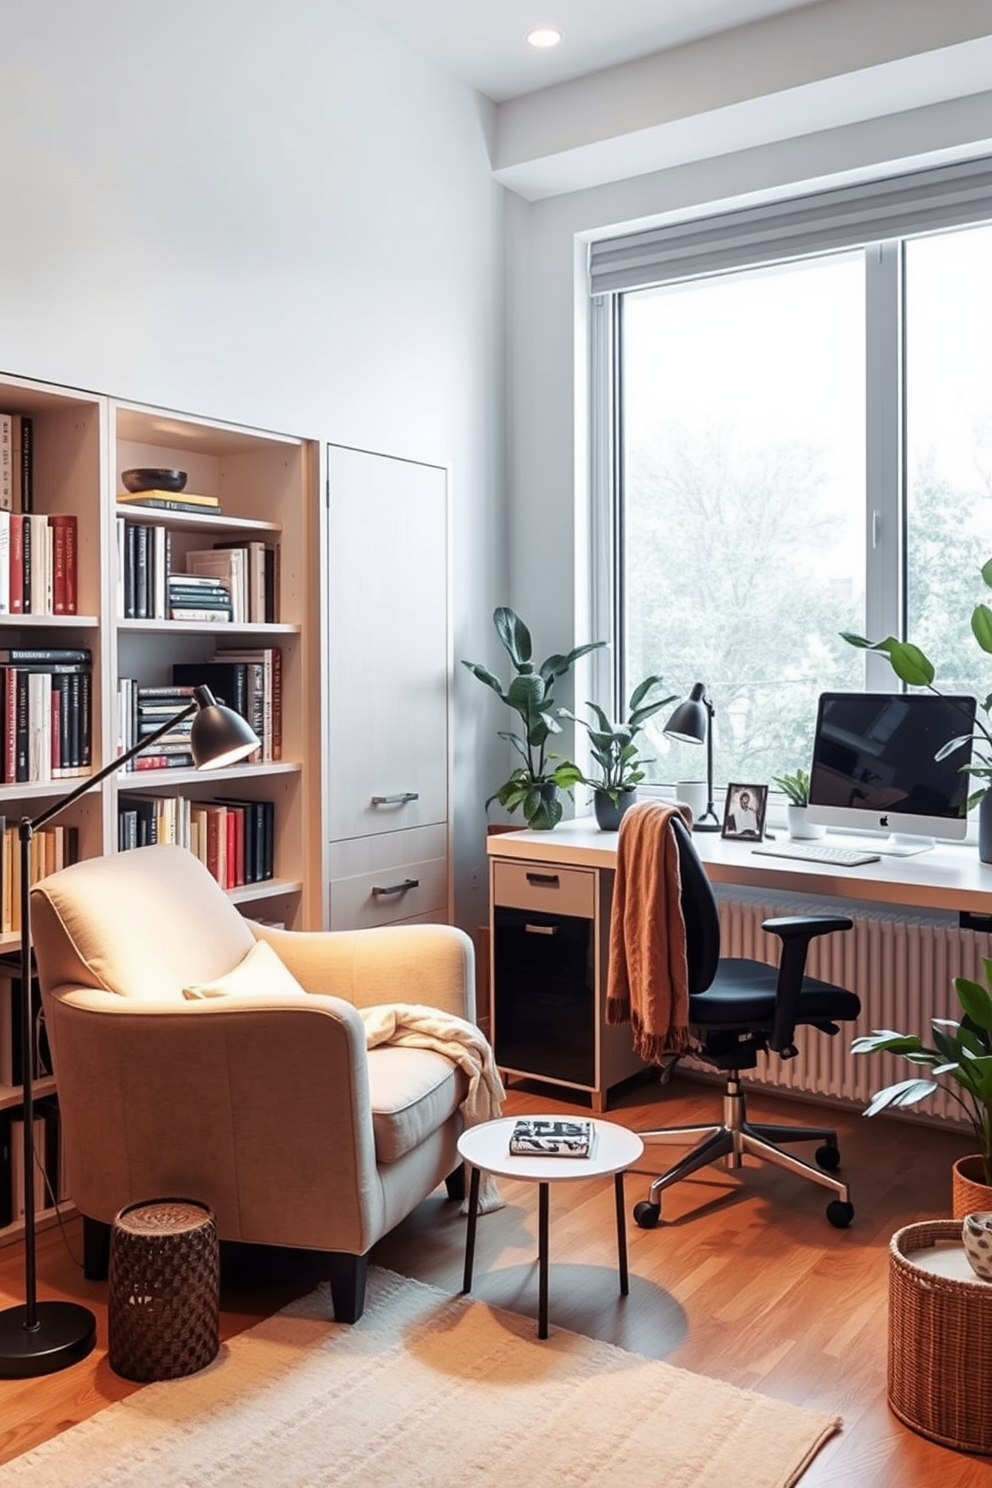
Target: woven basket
[(970, 1194), (164, 1296), (940, 1344)]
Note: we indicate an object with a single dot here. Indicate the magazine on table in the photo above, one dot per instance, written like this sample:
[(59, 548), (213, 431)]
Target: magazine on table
[(552, 1136)]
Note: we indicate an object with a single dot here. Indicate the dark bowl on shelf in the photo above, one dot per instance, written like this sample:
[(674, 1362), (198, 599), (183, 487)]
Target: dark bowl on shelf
[(153, 480)]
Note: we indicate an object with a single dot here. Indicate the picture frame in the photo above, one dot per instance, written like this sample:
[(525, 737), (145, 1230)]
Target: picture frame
[(744, 812)]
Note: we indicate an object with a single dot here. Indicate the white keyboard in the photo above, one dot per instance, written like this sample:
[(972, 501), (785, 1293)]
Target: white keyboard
[(819, 852)]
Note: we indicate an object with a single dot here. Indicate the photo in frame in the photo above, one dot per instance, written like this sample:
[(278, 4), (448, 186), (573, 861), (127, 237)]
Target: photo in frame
[(744, 813)]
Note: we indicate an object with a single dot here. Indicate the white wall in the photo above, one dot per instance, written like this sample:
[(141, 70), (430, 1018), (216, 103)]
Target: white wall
[(274, 214)]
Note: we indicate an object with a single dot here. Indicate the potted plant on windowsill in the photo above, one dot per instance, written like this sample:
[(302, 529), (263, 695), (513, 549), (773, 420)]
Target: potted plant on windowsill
[(534, 786), (960, 1059), (615, 752), (796, 787), (914, 667)]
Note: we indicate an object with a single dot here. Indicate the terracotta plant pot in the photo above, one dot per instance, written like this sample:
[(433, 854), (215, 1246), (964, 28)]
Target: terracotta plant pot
[(970, 1194)]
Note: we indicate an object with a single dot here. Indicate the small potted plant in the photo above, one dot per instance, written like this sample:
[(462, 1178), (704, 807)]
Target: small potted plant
[(960, 1059), (615, 752), (796, 787), (534, 786), (914, 667)]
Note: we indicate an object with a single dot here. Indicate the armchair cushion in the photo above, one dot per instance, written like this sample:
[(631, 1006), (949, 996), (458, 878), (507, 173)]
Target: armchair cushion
[(412, 1093), (261, 973)]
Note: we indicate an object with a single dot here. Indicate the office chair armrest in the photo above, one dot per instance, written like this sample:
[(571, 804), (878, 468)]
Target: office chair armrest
[(805, 927), (795, 933)]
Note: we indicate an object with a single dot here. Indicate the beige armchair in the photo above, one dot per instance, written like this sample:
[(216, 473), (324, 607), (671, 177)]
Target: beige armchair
[(264, 1104)]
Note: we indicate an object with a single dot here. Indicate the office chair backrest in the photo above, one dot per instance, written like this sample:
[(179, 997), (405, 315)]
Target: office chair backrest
[(702, 919)]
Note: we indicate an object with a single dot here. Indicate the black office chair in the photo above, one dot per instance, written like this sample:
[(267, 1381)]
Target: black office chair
[(737, 1008)]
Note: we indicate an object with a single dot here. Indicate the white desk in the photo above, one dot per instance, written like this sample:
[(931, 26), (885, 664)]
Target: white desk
[(945, 878), (550, 905)]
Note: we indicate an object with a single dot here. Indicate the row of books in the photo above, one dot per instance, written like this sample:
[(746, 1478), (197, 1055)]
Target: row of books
[(11, 1016), (50, 1185), (50, 849), (16, 462), (38, 563), (249, 681), (234, 839), (230, 582), (47, 713)]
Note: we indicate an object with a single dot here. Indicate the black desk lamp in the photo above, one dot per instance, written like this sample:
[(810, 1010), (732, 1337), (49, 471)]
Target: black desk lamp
[(691, 723), (42, 1338)]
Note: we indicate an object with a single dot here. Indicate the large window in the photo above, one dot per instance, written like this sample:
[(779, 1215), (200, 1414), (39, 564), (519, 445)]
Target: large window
[(799, 449)]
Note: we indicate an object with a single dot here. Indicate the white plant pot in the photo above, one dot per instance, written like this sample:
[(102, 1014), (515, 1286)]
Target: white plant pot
[(800, 827)]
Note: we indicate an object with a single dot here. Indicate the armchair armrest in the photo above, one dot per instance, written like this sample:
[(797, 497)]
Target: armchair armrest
[(432, 965), (261, 1107), (795, 932)]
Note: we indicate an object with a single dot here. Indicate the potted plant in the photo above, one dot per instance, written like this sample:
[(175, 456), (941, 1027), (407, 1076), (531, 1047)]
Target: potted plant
[(796, 787), (914, 667), (615, 752), (535, 784), (960, 1058)]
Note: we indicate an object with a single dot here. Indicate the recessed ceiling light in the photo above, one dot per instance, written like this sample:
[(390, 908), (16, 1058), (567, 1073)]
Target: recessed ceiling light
[(544, 36)]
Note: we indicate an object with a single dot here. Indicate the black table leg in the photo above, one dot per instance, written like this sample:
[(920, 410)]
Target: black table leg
[(473, 1216), (621, 1235), (542, 1260)]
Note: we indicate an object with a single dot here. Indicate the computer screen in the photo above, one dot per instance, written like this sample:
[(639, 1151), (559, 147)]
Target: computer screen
[(875, 766)]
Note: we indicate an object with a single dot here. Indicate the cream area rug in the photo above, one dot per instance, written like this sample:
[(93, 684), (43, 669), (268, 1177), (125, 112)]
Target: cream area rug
[(429, 1391)]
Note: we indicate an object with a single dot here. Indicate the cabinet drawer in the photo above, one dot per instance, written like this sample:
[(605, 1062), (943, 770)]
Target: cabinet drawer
[(566, 891), (393, 893)]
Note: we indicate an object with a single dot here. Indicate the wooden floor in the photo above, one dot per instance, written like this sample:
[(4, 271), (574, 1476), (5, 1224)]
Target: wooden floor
[(743, 1280)]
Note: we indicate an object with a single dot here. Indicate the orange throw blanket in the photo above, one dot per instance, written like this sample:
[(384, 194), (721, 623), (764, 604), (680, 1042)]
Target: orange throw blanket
[(647, 977)]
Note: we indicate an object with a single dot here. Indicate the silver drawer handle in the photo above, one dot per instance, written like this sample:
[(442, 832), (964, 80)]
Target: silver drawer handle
[(398, 800), (400, 888), (541, 929)]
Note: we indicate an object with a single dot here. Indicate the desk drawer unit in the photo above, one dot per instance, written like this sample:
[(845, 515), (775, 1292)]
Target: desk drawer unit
[(548, 977)]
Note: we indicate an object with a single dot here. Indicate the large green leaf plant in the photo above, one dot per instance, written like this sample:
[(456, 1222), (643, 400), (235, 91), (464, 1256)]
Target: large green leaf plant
[(960, 1057), (534, 785), (912, 666)]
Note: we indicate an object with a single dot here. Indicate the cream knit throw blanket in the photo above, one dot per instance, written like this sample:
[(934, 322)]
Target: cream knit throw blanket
[(419, 1027)]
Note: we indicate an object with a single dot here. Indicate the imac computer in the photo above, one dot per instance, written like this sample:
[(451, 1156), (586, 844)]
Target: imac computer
[(876, 767)]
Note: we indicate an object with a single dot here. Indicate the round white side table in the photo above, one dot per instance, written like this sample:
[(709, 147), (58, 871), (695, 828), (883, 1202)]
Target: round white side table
[(486, 1148)]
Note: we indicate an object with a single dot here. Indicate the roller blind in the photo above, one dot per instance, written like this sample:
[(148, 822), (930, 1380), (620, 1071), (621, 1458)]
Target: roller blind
[(845, 217)]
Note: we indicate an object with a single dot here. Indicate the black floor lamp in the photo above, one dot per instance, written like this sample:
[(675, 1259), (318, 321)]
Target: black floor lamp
[(691, 723), (44, 1337)]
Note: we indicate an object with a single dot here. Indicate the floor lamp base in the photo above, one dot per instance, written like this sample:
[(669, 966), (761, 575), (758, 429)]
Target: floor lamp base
[(63, 1334)]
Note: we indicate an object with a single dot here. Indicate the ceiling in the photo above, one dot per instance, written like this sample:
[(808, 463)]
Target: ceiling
[(483, 41)]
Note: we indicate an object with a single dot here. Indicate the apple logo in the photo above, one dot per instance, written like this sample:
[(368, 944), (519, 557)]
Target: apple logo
[(883, 821)]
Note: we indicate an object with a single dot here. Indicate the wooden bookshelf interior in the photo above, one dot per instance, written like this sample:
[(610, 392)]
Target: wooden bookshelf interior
[(265, 484)]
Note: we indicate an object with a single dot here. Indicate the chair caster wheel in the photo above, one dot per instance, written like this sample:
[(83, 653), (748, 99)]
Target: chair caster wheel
[(828, 1157), (840, 1214), (647, 1214)]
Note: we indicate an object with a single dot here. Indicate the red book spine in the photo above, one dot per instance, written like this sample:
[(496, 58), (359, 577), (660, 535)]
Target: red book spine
[(17, 563), (276, 703), (10, 724), (231, 876), (64, 545)]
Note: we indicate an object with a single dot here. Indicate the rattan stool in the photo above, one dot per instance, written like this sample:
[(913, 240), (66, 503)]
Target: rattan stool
[(940, 1337), (164, 1298)]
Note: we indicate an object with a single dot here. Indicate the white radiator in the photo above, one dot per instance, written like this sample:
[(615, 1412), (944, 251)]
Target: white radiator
[(900, 965)]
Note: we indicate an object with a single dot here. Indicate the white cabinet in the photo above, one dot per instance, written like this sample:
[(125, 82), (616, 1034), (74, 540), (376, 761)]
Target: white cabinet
[(387, 689)]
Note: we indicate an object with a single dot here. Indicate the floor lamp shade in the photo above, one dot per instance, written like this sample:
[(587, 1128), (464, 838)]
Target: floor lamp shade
[(692, 723), (43, 1337)]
